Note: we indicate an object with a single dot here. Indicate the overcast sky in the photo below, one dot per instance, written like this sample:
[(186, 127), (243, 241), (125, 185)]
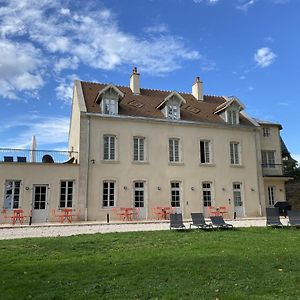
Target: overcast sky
[(246, 48)]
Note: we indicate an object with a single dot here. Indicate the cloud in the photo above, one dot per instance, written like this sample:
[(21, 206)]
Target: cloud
[(64, 90), (206, 1), (159, 28), (245, 6), (264, 57), (48, 130), (63, 37), (19, 68)]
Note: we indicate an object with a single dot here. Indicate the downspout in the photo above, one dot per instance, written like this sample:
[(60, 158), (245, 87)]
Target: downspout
[(88, 169), (258, 172)]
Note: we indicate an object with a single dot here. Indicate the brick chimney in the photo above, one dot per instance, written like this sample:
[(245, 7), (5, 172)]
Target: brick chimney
[(197, 89), (135, 81)]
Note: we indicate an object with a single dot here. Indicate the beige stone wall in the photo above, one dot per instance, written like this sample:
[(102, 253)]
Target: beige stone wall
[(157, 172), (32, 174)]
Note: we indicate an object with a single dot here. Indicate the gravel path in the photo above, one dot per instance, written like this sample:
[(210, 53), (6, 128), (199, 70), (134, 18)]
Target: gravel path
[(54, 229)]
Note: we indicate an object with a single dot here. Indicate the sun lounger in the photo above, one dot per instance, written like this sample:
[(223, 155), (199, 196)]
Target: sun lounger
[(273, 218), (176, 221), (218, 222), (294, 218), (199, 221)]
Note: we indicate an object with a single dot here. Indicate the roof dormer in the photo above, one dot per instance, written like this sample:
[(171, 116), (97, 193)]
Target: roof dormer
[(109, 98), (170, 106), (230, 110)]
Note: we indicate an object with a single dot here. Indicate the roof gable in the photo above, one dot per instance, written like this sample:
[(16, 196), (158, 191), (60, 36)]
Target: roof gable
[(170, 96), (108, 88)]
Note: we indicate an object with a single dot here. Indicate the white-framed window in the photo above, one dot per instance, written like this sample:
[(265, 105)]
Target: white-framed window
[(266, 132), (12, 194), (66, 193), (268, 159), (109, 147), (235, 153), (205, 151), (207, 193), (174, 150), (271, 195), (173, 111), (109, 192), (109, 106), (237, 194), (175, 194), (139, 193), (232, 116), (138, 148)]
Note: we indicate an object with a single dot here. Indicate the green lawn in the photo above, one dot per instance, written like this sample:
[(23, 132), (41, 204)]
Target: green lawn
[(253, 263)]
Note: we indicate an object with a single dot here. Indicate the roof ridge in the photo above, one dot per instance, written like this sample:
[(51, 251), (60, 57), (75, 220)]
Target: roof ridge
[(151, 89)]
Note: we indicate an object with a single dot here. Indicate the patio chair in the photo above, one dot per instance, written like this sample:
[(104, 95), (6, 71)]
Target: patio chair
[(199, 221), (21, 159), (8, 158), (273, 217), (294, 218), (218, 222), (176, 221)]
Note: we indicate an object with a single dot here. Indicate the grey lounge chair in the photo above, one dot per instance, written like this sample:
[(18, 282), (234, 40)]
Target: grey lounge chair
[(176, 221), (273, 217), (21, 158), (8, 158), (199, 221), (219, 222), (294, 218)]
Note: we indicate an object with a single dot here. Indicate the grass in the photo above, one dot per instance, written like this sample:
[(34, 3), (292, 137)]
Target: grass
[(252, 263)]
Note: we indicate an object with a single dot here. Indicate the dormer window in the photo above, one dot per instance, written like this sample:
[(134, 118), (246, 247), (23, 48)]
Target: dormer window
[(109, 106), (230, 110), (232, 116), (173, 111), (109, 98), (170, 106)]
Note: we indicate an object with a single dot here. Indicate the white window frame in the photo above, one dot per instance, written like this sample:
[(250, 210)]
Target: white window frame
[(108, 200), (271, 195), (141, 190), (266, 131), (267, 160), (232, 116), (66, 194), (235, 153), (175, 192), (109, 106), (173, 111), (14, 193), (174, 150), (139, 149), (207, 155), (207, 193), (109, 152), (237, 193)]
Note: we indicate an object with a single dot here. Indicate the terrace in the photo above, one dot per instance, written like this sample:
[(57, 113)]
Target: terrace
[(8, 155)]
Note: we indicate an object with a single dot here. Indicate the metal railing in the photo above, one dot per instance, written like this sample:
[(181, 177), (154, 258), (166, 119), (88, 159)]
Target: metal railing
[(37, 156)]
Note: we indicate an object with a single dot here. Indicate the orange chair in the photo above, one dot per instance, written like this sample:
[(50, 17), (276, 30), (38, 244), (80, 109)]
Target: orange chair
[(223, 211)]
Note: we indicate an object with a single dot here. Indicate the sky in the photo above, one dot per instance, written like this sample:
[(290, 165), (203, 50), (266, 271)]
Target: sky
[(246, 48)]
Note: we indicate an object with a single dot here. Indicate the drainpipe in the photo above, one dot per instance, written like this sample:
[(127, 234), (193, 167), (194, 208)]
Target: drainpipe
[(88, 169), (257, 170)]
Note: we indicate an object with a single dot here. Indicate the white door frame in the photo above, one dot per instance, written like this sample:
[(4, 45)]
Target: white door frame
[(46, 210)]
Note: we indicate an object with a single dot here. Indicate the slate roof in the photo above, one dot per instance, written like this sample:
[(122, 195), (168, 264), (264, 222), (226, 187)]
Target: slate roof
[(145, 104)]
